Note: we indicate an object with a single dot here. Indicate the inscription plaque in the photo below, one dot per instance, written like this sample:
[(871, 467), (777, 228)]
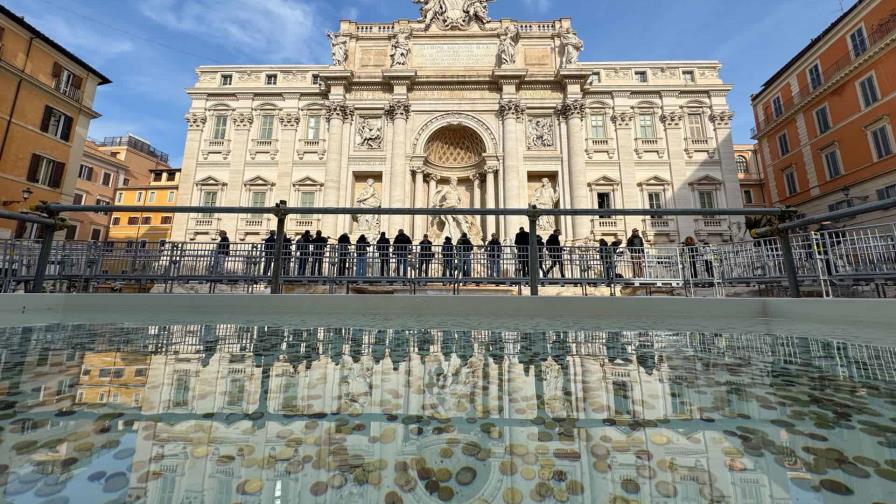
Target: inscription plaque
[(481, 54)]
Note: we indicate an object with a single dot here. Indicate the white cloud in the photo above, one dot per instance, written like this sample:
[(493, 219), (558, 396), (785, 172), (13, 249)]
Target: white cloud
[(82, 39), (538, 5), (270, 30)]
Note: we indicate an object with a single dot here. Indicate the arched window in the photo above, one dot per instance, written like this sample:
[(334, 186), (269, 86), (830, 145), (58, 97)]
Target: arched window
[(742, 165)]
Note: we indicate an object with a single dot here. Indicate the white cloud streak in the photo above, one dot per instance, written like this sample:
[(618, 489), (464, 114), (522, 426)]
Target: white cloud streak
[(538, 5)]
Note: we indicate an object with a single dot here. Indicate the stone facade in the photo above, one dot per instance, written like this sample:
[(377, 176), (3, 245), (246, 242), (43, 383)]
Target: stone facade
[(460, 110)]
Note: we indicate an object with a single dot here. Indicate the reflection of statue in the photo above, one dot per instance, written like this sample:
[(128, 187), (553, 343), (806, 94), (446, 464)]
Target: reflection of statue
[(545, 198), (454, 225), (370, 134), (541, 133), (401, 48), (555, 401), (430, 9), (338, 48), (572, 46), (369, 198), (477, 10), (510, 37)]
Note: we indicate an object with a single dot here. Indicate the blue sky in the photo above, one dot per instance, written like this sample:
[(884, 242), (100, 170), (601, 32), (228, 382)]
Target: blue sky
[(150, 48)]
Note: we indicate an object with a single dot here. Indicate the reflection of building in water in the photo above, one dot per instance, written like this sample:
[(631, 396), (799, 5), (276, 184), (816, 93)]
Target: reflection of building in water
[(113, 377)]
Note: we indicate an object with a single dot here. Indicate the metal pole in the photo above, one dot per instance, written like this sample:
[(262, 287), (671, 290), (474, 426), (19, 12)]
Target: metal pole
[(43, 260), (533, 252), (276, 284), (789, 264)]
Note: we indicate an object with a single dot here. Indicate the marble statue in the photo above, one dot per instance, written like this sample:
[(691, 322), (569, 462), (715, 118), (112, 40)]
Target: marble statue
[(338, 48), (370, 135), (572, 46), (453, 14), (429, 9), (541, 133), (477, 10), (449, 197), (369, 198), (510, 37), (400, 48), (546, 198)]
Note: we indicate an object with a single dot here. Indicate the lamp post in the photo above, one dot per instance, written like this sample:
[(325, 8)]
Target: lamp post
[(27, 193)]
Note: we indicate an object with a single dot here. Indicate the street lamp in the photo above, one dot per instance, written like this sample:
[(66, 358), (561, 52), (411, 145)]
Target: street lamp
[(27, 193), (846, 190)]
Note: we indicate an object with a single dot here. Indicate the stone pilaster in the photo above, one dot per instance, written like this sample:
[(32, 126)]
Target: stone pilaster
[(241, 127), (289, 125), (337, 114), (511, 113), (623, 120), (491, 198), (196, 122), (672, 121), (722, 124), (573, 112), (397, 112), (419, 201)]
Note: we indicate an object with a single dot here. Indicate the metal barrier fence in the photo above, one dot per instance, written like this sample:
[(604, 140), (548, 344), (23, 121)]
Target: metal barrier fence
[(852, 256)]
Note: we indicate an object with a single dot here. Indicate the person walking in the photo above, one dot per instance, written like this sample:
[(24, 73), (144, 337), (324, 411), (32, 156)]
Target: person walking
[(555, 253), (343, 252), (494, 251), (402, 249), (222, 251), (382, 251), (606, 259), (447, 258), (635, 246), (319, 249), (303, 250), (361, 250), (424, 257), (286, 256), (464, 254), (539, 244), (521, 241), (270, 248), (690, 250)]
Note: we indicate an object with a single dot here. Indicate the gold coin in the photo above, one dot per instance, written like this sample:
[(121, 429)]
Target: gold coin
[(560, 495), (527, 473), (518, 449), (543, 489), (445, 493), (393, 498), (507, 467), (336, 481), (512, 495), (446, 452), (318, 488), (388, 435), (575, 488), (534, 496), (602, 466), (252, 486), (659, 439), (199, 452), (375, 478), (443, 475)]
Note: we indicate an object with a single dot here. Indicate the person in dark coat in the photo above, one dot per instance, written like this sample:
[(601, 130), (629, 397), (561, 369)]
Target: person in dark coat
[(401, 247), (382, 251), (494, 251), (424, 257), (447, 258), (343, 252), (286, 256), (361, 250), (606, 259), (539, 244), (521, 241), (270, 248), (303, 250), (317, 257), (690, 249), (555, 253), (222, 251), (635, 246), (464, 255)]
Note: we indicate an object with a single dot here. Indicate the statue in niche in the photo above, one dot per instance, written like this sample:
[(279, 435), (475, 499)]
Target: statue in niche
[(572, 46), (429, 9), (541, 133), (400, 48), (546, 198), (338, 48), (370, 134), (453, 225), (510, 37), (369, 198)]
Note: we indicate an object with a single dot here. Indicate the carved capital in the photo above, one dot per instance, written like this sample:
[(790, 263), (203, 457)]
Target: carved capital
[(623, 119), (491, 169), (511, 109), (432, 177), (242, 120), (196, 120), (722, 119), (339, 110), (672, 119), (571, 108), (418, 169), (289, 120), (476, 177), (398, 109)]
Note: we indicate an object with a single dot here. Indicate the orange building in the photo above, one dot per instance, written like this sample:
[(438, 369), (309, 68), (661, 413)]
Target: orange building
[(750, 175), (109, 165), (161, 191), (112, 378), (824, 120), (46, 100)]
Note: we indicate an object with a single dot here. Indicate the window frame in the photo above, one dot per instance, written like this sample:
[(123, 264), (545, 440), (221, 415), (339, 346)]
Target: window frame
[(747, 196), (138, 198), (860, 88), (788, 174), (223, 128), (825, 160), (827, 117), (172, 197), (850, 42), (777, 103), (641, 115), (701, 124), (267, 79), (692, 73), (317, 120), (111, 182), (884, 125), (637, 73), (269, 128), (811, 76), (785, 146), (746, 164), (591, 124), (77, 194), (225, 80)]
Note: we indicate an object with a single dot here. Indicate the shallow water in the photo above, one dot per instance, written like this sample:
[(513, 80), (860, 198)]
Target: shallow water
[(251, 414)]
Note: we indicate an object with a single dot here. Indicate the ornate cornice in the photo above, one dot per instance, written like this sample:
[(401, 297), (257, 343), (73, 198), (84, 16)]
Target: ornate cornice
[(242, 120), (339, 110), (672, 119), (398, 109), (623, 119), (196, 120), (289, 120), (511, 109), (571, 108), (722, 119)]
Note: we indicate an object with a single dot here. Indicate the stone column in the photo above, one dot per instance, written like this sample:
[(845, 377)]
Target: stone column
[(195, 124), (476, 199), (573, 112), (433, 180), (630, 192), (511, 113), (235, 194), (721, 121), (678, 169), (337, 114), (490, 198), (419, 201), (397, 112)]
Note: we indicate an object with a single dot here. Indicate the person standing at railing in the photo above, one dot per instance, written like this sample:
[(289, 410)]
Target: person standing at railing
[(690, 250), (464, 255), (402, 249), (286, 256), (493, 251), (303, 251), (424, 257), (320, 247), (222, 250), (521, 241), (635, 246), (382, 252), (270, 247), (555, 253), (447, 258), (539, 244), (707, 252), (343, 251), (606, 259), (361, 251)]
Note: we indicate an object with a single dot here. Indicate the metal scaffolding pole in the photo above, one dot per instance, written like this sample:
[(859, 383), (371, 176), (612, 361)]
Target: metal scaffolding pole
[(793, 282), (276, 283), (533, 252)]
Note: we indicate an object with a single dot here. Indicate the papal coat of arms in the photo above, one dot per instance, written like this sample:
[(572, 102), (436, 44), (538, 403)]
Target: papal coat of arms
[(453, 14)]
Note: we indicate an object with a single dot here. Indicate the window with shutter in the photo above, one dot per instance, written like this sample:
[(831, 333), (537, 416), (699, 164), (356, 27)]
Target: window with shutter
[(56, 177), (33, 169)]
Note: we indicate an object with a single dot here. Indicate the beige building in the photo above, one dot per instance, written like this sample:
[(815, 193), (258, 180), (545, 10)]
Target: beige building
[(459, 110), (750, 174)]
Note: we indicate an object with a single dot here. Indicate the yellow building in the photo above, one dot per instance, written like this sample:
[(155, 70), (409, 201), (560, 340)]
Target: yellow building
[(112, 377), (141, 226), (46, 100)]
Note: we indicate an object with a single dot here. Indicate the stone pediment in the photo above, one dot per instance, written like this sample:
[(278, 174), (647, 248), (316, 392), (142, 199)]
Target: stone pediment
[(706, 180), (210, 181), (603, 180), (307, 181), (655, 180), (258, 181)]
